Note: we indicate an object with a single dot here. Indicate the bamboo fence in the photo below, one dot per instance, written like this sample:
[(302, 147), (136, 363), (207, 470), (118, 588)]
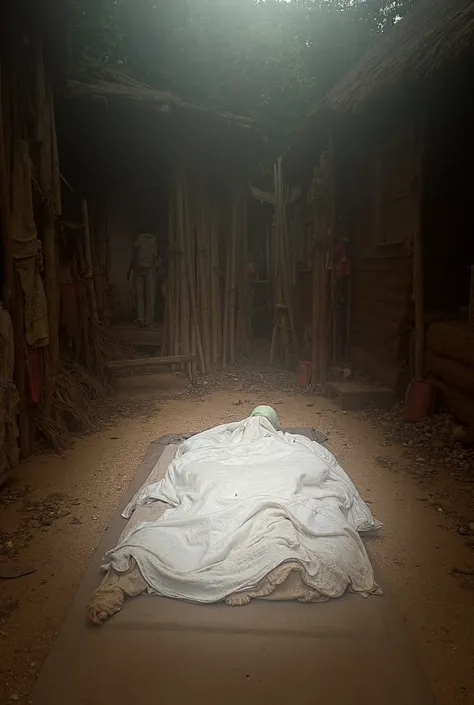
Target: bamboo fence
[(283, 275), (321, 199), (27, 118), (207, 311)]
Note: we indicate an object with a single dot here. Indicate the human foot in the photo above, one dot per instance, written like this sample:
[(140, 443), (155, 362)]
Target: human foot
[(104, 603)]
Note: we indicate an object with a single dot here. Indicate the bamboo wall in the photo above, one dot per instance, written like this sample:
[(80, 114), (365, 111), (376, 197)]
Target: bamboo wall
[(207, 308), (32, 224), (30, 197)]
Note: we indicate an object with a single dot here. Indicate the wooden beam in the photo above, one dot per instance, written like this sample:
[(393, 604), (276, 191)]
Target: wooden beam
[(418, 269), (89, 264), (151, 361), (8, 266)]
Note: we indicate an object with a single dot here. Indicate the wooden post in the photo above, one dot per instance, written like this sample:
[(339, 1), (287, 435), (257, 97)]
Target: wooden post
[(315, 317), (418, 299), (89, 264), (18, 322), (324, 320), (216, 304), (51, 292), (418, 274), (8, 266), (233, 280), (56, 174), (471, 298)]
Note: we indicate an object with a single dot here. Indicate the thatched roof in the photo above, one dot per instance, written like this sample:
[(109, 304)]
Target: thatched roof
[(95, 81), (434, 34)]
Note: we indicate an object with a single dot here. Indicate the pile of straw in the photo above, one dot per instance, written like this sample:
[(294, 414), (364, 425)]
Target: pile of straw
[(75, 398), (430, 37)]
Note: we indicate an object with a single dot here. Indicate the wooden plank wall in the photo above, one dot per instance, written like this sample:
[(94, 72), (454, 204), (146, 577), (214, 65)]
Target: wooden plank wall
[(382, 272), (381, 312)]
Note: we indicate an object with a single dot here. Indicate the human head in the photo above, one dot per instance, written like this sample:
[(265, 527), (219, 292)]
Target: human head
[(268, 413)]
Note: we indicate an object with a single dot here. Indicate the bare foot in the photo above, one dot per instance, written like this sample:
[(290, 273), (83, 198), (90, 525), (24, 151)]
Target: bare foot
[(311, 596), (238, 600), (104, 603)]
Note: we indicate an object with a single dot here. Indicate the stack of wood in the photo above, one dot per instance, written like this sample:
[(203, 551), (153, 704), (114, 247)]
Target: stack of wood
[(207, 309), (449, 361)]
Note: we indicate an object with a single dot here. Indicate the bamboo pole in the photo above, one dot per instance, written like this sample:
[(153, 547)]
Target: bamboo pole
[(233, 282), (226, 317), (89, 264), (315, 327), (202, 244), (286, 258), (185, 315), (45, 137), (189, 253), (324, 321), (95, 240), (244, 311), (84, 306), (151, 361), (55, 165), (18, 321), (169, 314), (8, 265), (216, 318), (51, 292), (418, 298), (42, 123), (418, 268)]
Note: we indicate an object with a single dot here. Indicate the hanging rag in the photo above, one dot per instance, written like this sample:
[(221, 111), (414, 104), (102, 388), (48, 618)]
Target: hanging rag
[(9, 452), (25, 249)]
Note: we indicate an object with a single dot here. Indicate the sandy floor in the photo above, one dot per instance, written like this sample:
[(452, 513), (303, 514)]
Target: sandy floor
[(55, 513)]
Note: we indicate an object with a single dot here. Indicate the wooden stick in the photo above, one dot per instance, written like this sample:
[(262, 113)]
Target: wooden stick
[(244, 327), (182, 283), (315, 327), (95, 258), (189, 253), (418, 273), (216, 318), (227, 285), (202, 250), (8, 265), (89, 264), (324, 320), (151, 361), (471, 298), (51, 284), (56, 172), (42, 125), (232, 292), (18, 321)]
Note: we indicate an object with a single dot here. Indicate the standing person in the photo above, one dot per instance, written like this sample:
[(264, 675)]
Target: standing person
[(144, 266)]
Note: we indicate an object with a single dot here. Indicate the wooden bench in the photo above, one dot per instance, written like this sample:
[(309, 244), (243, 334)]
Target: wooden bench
[(188, 360)]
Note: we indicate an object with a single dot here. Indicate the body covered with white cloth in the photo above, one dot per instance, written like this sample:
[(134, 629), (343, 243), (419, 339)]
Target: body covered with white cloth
[(251, 510)]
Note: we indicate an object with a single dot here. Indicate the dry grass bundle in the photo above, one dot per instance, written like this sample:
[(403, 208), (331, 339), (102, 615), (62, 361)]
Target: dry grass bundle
[(432, 35), (75, 397), (94, 80)]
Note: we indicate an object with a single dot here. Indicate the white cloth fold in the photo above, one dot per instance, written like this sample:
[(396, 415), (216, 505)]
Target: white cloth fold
[(245, 498)]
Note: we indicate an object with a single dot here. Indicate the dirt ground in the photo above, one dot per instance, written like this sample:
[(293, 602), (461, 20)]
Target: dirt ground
[(58, 507)]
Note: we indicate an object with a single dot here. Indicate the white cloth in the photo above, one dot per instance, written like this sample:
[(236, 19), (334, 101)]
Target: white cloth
[(244, 499)]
